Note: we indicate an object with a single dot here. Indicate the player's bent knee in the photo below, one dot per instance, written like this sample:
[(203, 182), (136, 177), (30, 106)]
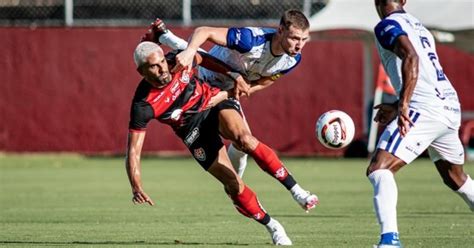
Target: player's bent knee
[(383, 160), (247, 142), (233, 187)]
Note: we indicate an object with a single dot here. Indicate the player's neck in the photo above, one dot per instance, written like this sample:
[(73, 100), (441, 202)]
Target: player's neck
[(275, 47)]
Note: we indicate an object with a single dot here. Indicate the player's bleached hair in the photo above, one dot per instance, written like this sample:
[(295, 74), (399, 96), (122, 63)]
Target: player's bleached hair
[(295, 18), (143, 50)]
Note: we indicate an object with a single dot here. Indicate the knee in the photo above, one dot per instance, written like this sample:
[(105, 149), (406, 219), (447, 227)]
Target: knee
[(384, 160), (247, 142), (233, 187)]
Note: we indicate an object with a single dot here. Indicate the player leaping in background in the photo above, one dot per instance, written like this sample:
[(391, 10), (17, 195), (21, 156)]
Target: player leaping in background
[(426, 116), (262, 55)]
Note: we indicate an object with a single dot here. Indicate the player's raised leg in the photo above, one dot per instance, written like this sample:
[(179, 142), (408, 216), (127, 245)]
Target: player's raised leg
[(238, 159), (381, 175), (455, 178), (245, 200), (232, 127)]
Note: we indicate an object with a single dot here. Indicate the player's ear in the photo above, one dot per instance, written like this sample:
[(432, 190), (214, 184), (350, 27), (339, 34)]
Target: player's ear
[(281, 29), (140, 71)]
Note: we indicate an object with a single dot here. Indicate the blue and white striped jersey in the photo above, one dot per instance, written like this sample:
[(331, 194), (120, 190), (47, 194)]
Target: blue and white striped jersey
[(248, 52), (433, 93)]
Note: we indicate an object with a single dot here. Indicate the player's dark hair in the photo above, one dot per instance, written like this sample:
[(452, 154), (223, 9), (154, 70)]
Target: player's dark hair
[(385, 2), (294, 18)]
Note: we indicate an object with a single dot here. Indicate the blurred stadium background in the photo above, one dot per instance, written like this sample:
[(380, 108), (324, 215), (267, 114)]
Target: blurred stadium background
[(68, 76)]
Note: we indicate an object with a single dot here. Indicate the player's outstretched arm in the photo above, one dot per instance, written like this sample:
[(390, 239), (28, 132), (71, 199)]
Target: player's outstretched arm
[(133, 167), (200, 35), (406, 52), (212, 63), (260, 84)]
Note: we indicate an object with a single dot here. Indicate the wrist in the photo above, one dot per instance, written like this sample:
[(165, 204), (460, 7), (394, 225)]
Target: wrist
[(234, 75)]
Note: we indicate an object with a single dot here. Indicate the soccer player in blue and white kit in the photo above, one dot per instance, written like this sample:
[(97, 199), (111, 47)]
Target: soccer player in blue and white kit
[(262, 55), (426, 116)]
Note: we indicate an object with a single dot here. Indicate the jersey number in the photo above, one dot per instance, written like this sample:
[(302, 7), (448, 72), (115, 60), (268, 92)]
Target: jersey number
[(434, 60)]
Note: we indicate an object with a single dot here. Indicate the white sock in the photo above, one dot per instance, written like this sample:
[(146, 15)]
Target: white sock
[(174, 41), (297, 190), (271, 224), (385, 199), (467, 192), (238, 159)]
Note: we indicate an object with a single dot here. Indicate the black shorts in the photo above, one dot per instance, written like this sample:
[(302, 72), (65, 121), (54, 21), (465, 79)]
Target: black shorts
[(204, 141)]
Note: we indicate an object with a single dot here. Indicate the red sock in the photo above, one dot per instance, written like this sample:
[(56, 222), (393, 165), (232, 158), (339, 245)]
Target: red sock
[(268, 161), (247, 204)]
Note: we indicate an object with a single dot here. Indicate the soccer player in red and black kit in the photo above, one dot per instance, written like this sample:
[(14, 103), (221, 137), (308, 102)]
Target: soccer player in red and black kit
[(191, 108)]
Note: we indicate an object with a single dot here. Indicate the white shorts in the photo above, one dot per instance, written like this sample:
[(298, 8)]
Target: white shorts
[(442, 141)]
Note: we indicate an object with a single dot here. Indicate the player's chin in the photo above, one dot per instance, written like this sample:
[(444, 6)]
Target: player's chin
[(293, 53)]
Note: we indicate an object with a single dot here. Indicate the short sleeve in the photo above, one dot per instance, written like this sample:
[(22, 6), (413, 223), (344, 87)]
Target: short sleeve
[(387, 32), (243, 39), (298, 60), (140, 114)]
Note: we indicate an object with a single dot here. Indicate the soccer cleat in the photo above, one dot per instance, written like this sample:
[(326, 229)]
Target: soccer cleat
[(389, 240), (306, 200), (156, 29), (278, 233)]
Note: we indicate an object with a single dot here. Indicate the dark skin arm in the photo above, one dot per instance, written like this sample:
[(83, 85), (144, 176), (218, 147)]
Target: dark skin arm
[(406, 52), (133, 167)]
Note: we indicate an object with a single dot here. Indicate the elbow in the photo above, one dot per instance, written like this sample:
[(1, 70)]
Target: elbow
[(202, 30)]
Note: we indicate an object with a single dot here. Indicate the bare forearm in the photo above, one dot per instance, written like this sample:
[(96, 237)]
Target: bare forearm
[(202, 34), (133, 168), (198, 38), (410, 76), (260, 84)]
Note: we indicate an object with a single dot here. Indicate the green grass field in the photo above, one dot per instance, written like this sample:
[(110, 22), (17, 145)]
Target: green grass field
[(66, 200)]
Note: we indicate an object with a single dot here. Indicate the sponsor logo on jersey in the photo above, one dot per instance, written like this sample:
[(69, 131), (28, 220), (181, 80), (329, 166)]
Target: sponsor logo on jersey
[(276, 76), (388, 27), (158, 97), (175, 87), (200, 154), (238, 37), (192, 136), (176, 114)]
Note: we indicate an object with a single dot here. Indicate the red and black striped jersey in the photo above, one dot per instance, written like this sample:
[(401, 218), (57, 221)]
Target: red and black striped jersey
[(180, 104)]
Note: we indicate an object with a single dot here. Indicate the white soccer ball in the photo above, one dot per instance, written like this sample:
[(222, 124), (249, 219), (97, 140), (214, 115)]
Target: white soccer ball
[(335, 129)]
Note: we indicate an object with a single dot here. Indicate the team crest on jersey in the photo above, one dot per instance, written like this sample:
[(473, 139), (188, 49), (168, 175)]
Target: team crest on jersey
[(200, 154), (192, 136), (185, 77)]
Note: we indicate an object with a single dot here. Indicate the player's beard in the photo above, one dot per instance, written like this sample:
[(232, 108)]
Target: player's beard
[(162, 80)]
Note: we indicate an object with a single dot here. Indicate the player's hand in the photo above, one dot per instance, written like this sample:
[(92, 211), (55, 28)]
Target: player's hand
[(242, 87), (184, 59), (385, 113), (404, 122), (140, 197)]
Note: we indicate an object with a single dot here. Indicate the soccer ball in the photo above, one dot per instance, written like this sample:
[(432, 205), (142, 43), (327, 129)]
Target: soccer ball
[(335, 129)]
